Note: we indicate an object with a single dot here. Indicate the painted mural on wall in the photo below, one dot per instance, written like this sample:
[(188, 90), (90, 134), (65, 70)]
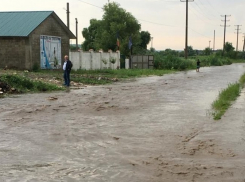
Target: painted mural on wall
[(50, 47)]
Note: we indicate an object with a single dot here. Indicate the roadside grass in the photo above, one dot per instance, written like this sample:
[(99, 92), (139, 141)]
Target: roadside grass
[(238, 60), (21, 84), (226, 97), (123, 73), (107, 76), (87, 77)]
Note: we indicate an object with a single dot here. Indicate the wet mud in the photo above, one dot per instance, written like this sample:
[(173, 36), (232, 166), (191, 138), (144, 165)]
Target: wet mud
[(154, 129)]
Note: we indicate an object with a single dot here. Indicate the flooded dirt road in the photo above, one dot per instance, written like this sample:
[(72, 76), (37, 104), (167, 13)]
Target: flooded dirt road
[(155, 129)]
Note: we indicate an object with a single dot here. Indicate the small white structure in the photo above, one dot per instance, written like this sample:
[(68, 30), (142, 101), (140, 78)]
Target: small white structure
[(95, 60), (126, 63)]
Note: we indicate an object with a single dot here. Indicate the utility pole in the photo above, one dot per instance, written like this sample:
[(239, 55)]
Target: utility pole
[(237, 36), (209, 44), (76, 34), (214, 41), (186, 27), (243, 43), (224, 30), (68, 15)]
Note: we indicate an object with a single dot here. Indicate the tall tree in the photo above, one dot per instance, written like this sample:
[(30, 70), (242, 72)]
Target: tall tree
[(90, 35), (115, 23), (228, 47), (191, 52), (145, 39), (207, 51)]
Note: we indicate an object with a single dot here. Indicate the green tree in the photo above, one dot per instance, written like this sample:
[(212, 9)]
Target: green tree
[(207, 51), (102, 34), (191, 52), (229, 51), (145, 39), (90, 35), (228, 47), (170, 52)]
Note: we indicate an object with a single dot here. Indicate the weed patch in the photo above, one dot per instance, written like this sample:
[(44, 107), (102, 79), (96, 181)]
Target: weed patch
[(226, 97), (21, 84)]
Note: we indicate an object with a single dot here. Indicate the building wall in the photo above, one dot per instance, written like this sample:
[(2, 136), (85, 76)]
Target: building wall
[(52, 28), (24, 52), (13, 52)]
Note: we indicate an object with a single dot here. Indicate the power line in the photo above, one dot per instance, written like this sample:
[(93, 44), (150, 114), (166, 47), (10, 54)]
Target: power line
[(90, 4), (201, 18), (206, 8), (200, 33), (201, 10), (158, 23), (215, 10)]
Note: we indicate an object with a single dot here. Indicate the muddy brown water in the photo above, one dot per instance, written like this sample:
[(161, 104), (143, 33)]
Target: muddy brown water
[(154, 129)]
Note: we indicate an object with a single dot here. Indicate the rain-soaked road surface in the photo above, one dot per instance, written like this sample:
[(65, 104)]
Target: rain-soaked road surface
[(156, 129)]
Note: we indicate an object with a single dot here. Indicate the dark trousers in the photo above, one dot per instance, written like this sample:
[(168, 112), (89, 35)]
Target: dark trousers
[(67, 78)]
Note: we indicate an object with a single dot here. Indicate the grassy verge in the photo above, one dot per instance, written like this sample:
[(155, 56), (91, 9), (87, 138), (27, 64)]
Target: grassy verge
[(13, 81), (10, 83), (226, 97), (108, 76)]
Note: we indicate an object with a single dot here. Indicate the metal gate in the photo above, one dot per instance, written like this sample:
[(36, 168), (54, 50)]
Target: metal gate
[(142, 62)]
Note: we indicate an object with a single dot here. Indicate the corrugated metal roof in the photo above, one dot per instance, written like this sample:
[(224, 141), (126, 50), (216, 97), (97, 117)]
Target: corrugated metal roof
[(21, 23)]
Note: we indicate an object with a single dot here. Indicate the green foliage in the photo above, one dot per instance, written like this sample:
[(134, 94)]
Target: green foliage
[(191, 52), (214, 60), (90, 34), (226, 97), (218, 53), (102, 34), (36, 67), (112, 60), (23, 84), (172, 62), (73, 48), (91, 80), (121, 73), (207, 51), (104, 61), (145, 39), (242, 80), (228, 47)]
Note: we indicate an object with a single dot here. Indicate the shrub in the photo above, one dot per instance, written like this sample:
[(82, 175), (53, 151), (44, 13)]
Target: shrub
[(35, 67), (23, 84), (172, 62)]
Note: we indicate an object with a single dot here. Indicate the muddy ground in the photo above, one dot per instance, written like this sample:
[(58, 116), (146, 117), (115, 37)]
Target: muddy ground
[(155, 129)]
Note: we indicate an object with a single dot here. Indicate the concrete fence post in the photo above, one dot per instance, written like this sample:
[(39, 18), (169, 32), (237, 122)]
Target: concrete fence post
[(126, 63), (91, 58), (80, 59)]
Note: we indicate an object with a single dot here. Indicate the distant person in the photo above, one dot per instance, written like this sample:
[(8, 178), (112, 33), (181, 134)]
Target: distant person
[(67, 69), (198, 65)]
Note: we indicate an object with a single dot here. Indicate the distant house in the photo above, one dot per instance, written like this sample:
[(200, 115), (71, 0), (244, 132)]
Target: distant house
[(31, 39)]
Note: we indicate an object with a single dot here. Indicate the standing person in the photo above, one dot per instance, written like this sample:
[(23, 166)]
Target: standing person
[(67, 69), (198, 65)]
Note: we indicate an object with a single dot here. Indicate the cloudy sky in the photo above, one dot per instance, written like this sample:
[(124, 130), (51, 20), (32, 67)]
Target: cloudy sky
[(164, 19)]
